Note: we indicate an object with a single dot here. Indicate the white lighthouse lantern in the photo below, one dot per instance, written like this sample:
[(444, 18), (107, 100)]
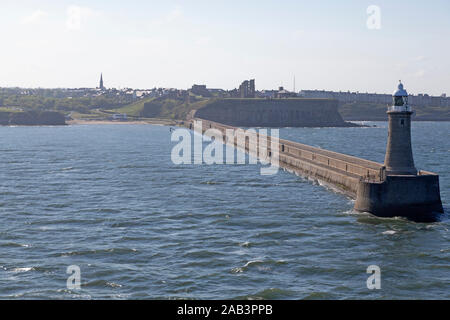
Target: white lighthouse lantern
[(400, 100)]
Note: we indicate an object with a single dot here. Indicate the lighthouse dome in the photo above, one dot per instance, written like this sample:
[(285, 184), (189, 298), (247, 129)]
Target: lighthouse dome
[(401, 92), (400, 100)]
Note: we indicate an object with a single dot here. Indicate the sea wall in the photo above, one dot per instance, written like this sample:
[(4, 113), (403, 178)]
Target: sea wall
[(416, 197), (295, 112)]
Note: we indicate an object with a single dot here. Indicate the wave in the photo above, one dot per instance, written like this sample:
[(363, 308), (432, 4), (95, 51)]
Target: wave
[(98, 251), (15, 244), (261, 265), (245, 244), (102, 283), (22, 269), (269, 294)]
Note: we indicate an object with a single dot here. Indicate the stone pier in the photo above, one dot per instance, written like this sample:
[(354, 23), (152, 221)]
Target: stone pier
[(414, 197)]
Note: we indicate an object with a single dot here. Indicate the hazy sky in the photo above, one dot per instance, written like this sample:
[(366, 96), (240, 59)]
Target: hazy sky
[(143, 44)]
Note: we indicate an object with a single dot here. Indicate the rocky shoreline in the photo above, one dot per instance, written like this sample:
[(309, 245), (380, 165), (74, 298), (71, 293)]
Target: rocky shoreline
[(32, 118)]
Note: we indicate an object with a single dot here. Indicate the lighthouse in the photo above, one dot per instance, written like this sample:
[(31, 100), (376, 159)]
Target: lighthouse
[(399, 156), (402, 190)]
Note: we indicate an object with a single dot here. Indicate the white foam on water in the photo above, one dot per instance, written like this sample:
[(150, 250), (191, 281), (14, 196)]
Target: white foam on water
[(252, 262), (244, 244), (26, 269), (113, 285)]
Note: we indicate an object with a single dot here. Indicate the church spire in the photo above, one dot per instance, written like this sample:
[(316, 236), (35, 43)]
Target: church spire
[(101, 82)]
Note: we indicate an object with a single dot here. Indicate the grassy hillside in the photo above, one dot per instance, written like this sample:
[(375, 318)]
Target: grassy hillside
[(133, 109), (363, 111), (377, 112), (171, 108)]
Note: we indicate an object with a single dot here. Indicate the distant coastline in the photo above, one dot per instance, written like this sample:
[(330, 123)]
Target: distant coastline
[(171, 110), (165, 122), (32, 118), (19, 106), (350, 118), (359, 111)]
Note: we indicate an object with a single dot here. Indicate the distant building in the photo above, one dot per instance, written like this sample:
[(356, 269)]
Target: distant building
[(217, 92), (200, 90), (283, 93), (247, 89), (119, 116), (349, 97), (267, 94)]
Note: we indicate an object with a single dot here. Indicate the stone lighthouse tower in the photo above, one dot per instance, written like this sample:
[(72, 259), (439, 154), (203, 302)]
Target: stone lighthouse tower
[(402, 191), (399, 157)]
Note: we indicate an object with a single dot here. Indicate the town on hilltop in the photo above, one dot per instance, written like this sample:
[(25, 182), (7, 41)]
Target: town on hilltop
[(102, 103)]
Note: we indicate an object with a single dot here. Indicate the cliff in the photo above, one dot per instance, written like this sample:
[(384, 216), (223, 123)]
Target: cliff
[(295, 112), (32, 118)]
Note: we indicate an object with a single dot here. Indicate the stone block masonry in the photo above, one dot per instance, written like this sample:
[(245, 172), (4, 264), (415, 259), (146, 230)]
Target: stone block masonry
[(274, 113), (415, 197)]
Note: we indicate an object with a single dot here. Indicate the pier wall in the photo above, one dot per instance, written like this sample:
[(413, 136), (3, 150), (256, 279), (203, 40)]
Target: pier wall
[(416, 197), (341, 171)]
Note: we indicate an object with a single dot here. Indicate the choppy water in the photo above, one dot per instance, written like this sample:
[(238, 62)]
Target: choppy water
[(108, 199)]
